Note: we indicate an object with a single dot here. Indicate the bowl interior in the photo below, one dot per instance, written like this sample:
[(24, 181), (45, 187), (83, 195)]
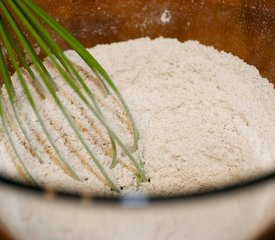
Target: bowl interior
[(244, 28)]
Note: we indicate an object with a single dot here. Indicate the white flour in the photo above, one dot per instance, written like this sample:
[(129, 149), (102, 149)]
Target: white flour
[(206, 119)]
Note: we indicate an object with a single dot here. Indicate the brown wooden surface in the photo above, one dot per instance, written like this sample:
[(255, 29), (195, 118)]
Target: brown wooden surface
[(244, 27), (4, 235), (267, 234)]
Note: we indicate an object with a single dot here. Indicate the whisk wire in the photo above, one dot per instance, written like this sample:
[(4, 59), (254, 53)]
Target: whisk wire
[(52, 91), (55, 49), (24, 11), (24, 85), (87, 57), (77, 90), (9, 87), (5, 124)]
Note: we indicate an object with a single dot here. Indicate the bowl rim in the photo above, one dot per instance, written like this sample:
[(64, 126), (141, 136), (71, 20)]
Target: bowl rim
[(139, 199)]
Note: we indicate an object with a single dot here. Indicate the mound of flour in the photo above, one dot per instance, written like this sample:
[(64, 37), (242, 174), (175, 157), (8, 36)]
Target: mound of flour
[(206, 119)]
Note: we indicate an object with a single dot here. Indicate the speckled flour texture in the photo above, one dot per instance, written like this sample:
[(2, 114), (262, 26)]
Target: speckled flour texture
[(206, 119)]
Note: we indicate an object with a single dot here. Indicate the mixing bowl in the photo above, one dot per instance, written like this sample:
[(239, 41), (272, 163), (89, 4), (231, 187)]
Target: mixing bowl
[(243, 27)]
